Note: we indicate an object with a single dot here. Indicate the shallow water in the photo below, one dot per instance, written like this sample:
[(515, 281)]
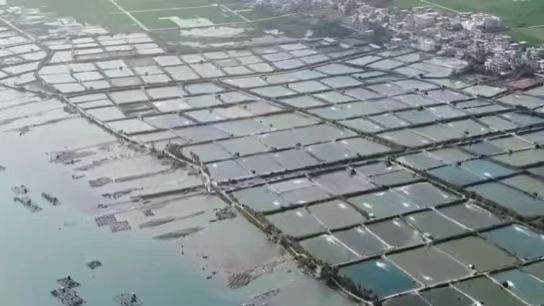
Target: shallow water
[(41, 247)]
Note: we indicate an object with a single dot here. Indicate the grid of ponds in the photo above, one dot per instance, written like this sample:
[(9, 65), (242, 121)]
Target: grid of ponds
[(503, 169), (18, 53), (93, 47), (27, 48), (416, 189), (393, 232), (143, 62)]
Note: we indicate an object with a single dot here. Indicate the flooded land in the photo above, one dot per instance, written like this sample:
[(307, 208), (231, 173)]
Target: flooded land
[(173, 154)]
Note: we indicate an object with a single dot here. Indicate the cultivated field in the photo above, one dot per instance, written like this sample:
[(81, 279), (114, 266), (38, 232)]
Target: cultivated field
[(156, 15)]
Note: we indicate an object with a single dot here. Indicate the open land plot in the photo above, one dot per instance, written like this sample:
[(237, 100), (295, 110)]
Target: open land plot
[(186, 17), (141, 5), (126, 15), (515, 13), (531, 34)]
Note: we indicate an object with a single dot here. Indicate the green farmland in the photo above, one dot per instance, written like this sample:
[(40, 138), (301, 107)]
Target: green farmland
[(147, 15), (524, 17)]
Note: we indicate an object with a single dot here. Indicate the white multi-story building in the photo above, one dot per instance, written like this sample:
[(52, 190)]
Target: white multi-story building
[(428, 45), (541, 65)]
